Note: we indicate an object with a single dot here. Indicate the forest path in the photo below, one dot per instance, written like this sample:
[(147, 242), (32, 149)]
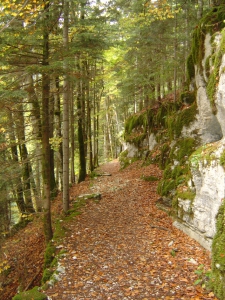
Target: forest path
[(124, 247)]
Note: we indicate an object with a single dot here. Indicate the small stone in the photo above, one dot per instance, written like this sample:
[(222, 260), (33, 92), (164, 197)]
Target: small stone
[(192, 261), (170, 243)]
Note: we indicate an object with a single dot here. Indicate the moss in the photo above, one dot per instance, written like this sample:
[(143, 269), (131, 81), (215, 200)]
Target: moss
[(163, 158), (126, 161), (222, 159), (59, 230), (179, 174), (213, 21), (186, 195), (49, 254), (178, 120), (165, 186), (185, 148), (190, 68), (136, 138), (149, 178), (217, 282), (204, 154), (33, 294), (47, 274), (207, 66), (214, 75), (213, 80), (188, 97), (135, 121)]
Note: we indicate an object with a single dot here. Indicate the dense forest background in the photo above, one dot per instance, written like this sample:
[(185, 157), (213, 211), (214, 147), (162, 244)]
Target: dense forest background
[(71, 73)]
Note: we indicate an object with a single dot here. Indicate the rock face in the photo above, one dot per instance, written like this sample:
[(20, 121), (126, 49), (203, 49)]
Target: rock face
[(208, 180), (208, 177)]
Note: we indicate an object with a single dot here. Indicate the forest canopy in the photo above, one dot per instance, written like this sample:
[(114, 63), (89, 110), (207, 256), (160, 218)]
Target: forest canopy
[(71, 73)]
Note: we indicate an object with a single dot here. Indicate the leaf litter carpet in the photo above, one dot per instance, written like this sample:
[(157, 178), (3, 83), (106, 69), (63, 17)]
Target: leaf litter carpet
[(124, 247)]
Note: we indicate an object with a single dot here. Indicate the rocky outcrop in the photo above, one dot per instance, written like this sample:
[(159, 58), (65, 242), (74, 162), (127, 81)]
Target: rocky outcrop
[(197, 217), (187, 140)]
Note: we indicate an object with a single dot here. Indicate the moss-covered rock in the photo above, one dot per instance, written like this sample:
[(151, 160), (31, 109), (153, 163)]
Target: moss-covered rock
[(217, 282), (188, 97), (33, 294), (177, 120), (212, 22)]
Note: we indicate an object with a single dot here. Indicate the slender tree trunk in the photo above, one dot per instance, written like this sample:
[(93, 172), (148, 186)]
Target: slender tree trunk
[(89, 125), (66, 91), (20, 125), (72, 138), (52, 161), (19, 185), (59, 152), (36, 122), (45, 129), (82, 152), (175, 56), (200, 9)]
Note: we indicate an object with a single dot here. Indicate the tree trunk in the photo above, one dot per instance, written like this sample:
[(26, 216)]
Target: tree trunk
[(20, 128), (19, 185), (36, 124), (66, 92), (58, 133), (45, 129), (82, 153), (89, 125), (72, 138)]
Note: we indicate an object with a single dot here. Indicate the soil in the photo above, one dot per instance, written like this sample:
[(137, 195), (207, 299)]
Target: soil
[(121, 247)]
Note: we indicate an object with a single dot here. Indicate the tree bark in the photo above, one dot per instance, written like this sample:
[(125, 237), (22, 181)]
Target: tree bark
[(66, 91), (45, 129)]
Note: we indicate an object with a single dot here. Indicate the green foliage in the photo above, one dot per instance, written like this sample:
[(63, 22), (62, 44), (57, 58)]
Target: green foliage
[(190, 67), (33, 294), (217, 282), (213, 21), (47, 274), (213, 79), (164, 155), (173, 176), (207, 65), (135, 128), (178, 120), (166, 186), (49, 254), (125, 161), (188, 97), (222, 159), (135, 121), (186, 195), (203, 276), (183, 148)]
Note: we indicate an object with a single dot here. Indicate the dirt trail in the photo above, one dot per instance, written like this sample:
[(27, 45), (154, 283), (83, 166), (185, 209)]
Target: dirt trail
[(124, 247)]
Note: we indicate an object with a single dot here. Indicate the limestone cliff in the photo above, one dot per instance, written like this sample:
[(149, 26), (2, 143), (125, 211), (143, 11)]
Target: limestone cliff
[(187, 140)]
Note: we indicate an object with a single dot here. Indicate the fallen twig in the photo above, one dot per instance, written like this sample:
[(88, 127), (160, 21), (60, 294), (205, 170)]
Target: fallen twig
[(159, 227)]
